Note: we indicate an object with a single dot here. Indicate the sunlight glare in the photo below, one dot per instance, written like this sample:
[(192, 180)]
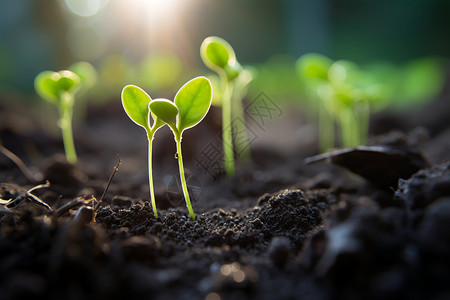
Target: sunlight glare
[(85, 8)]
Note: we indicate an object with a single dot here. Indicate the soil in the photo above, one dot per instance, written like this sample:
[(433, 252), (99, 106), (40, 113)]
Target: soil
[(279, 229)]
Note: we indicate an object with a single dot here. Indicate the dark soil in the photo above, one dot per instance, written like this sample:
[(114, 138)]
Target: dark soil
[(279, 229)]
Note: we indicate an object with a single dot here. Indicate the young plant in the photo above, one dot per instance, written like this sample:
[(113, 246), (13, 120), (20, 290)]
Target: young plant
[(59, 88), (219, 56), (136, 104), (87, 74), (192, 103), (353, 92), (88, 77), (312, 69)]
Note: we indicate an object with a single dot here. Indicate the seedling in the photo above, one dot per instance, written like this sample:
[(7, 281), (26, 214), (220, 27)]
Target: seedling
[(59, 88), (136, 102), (312, 69), (345, 93), (219, 56), (353, 92), (192, 103), (87, 74)]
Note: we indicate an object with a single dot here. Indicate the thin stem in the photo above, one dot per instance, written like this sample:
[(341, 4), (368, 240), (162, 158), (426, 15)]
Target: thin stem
[(65, 123), (182, 177), (349, 130), (150, 172), (227, 138)]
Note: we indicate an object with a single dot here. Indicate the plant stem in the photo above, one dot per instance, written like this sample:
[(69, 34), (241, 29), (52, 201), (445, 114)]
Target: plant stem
[(227, 138), (150, 172), (345, 124), (182, 177), (65, 123)]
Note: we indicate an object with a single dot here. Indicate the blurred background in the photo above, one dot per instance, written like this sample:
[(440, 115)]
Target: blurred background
[(155, 43)]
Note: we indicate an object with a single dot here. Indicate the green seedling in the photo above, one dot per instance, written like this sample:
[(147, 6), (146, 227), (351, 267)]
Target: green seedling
[(192, 103), (87, 74), (312, 69), (219, 56), (345, 94), (88, 77), (59, 88), (353, 93), (136, 102)]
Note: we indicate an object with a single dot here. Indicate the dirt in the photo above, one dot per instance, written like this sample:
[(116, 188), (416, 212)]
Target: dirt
[(278, 229)]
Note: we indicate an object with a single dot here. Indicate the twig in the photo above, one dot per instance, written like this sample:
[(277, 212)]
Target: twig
[(27, 195), (116, 168)]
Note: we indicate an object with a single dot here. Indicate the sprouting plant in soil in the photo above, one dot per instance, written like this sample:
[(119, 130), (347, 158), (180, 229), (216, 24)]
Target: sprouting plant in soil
[(312, 69), (136, 102), (191, 104), (350, 105), (345, 93), (59, 88), (218, 55)]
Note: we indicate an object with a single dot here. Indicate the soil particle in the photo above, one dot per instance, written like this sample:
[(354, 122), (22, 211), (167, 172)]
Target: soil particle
[(423, 188)]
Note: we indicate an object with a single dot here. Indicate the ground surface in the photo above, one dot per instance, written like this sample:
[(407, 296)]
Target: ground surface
[(280, 229)]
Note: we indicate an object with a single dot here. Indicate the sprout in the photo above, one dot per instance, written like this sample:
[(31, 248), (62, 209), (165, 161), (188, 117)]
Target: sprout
[(312, 69), (219, 56), (345, 94), (192, 103), (136, 104), (87, 74), (59, 88)]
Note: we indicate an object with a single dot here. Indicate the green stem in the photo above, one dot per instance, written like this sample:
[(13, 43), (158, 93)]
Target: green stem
[(65, 123), (150, 172), (227, 139), (345, 124), (182, 177)]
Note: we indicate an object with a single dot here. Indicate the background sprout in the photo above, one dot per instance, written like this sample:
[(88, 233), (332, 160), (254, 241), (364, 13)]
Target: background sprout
[(135, 101), (192, 103), (88, 77), (353, 91), (219, 56), (87, 74), (312, 69), (59, 88)]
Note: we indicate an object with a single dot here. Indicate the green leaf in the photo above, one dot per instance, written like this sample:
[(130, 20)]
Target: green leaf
[(50, 85), (313, 66), (86, 72), (135, 101), (217, 53), (165, 110), (193, 101)]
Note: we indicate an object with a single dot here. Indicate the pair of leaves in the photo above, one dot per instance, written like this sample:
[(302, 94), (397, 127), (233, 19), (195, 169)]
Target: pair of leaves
[(192, 103), (51, 85), (219, 56)]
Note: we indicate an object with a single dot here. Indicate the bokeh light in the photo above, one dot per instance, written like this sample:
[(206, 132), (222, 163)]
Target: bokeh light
[(85, 8)]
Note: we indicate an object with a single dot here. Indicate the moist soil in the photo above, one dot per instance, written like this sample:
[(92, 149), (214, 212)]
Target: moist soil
[(365, 223)]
